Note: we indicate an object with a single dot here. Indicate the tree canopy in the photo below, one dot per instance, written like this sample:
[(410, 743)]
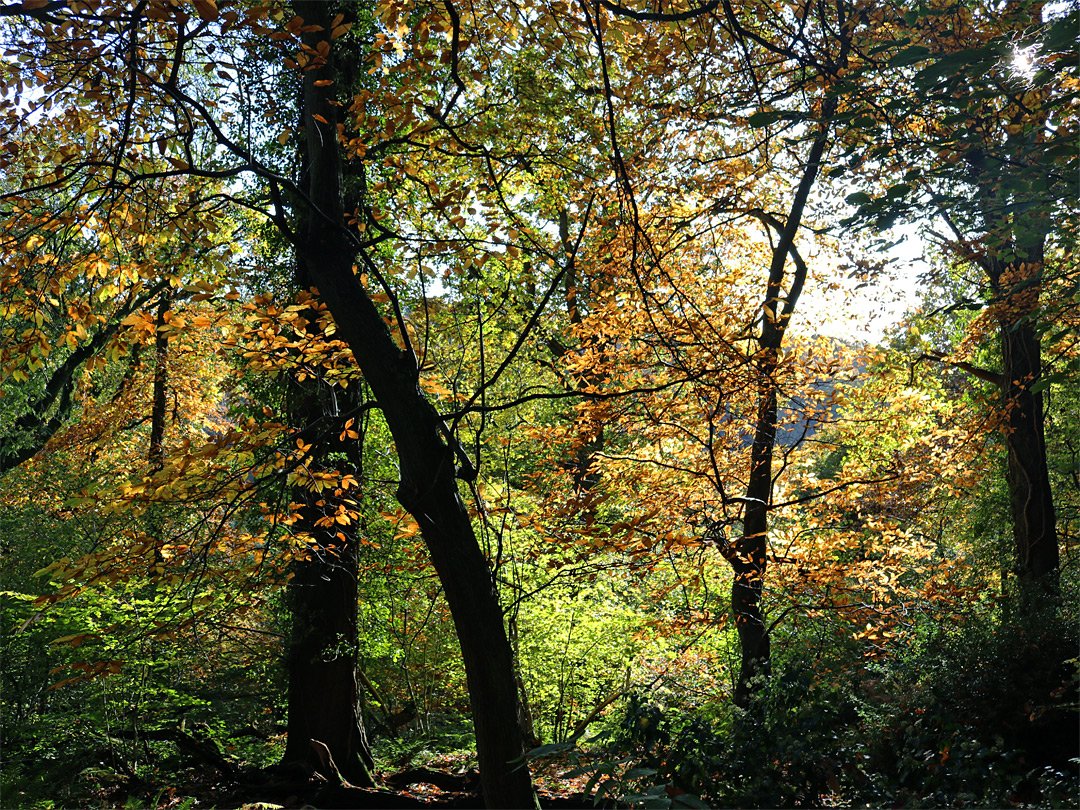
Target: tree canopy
[(377, 378)]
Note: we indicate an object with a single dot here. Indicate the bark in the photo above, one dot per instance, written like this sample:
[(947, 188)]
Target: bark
[(1020, 286), (155, 517), (748, 557), (428, 487), (326, 728), (325, 717), (1027, 475), (1015, 274), (161, 383), (749, 562), (321, 659)]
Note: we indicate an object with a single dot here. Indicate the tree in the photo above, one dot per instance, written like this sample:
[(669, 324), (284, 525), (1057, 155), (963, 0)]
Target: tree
[(146, 66), (998, 172), (814, 47)]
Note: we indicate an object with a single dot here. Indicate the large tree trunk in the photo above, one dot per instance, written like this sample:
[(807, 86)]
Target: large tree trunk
[(1017, 222), (321, 662), (428, 486), (1028, 478), (323, 699)]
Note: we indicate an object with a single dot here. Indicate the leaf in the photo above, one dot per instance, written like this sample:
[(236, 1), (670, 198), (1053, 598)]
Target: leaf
[(319, 118), (763, 118), (1057, 378), (547, 750), (206, 9), (899, 190), (909, 56)]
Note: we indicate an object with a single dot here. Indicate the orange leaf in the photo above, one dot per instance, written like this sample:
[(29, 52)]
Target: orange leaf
[(320, 118)]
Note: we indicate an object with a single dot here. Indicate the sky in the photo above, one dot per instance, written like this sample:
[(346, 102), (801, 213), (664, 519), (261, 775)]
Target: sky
[(870, 312)]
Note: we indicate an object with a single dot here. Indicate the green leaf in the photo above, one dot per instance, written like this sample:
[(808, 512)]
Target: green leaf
[(858, 198), (547, 750), (763, 118), (909, 56), (1057, 378), (899, 190)]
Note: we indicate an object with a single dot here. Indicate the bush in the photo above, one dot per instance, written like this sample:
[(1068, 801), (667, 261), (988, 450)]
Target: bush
[(975, 713), (790, 749), (984, 714)]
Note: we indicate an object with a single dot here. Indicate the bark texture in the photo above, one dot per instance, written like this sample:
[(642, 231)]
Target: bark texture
[(1016, 286)]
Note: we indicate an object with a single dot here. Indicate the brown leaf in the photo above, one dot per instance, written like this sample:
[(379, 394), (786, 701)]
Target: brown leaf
[(206, 9)]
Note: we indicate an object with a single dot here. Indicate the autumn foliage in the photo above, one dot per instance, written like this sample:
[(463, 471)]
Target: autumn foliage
[(400, 388)]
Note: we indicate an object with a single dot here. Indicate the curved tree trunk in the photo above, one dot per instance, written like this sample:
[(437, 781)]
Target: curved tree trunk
[(428, 485)]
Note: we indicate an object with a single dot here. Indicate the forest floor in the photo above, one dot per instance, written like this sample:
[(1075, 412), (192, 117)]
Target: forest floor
[(442, 784)]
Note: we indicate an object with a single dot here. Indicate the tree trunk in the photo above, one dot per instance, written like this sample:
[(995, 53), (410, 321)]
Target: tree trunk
[(428, 487), (156, 454), (155, 515), (1027, 475), (750, 559), (1017, 224), (324, 703)]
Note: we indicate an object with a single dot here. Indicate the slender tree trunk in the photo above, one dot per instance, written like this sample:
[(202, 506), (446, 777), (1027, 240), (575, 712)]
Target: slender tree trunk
[(750, 560), (156, 454), (155, 518), (428, 486), (748, 557)]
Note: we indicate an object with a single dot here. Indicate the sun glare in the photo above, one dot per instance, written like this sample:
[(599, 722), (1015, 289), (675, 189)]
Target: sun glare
[(1024, 61)]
